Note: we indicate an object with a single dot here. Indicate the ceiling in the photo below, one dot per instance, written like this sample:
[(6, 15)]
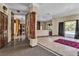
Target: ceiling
[(22, 7), (46, 11)]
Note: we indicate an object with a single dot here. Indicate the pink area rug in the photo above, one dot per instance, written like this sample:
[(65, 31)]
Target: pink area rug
[(68, 43)]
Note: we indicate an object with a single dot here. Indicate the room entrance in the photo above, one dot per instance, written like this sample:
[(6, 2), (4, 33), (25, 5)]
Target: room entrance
[(18, 30)]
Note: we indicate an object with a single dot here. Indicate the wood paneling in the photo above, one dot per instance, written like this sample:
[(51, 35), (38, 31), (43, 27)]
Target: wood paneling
[(27, 23), (32, 25), (3, 29), (12, 26)]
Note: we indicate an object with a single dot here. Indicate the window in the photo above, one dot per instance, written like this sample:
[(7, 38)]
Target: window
[(70, 29)]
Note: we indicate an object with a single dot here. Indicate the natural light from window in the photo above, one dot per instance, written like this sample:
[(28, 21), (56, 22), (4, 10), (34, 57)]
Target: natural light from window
[(70, 29)]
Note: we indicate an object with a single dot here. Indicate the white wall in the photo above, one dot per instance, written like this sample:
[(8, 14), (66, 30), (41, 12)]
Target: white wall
[(44, 24), (54, 27), (8, 12), (42, 32), (55, 22), (9, 25)]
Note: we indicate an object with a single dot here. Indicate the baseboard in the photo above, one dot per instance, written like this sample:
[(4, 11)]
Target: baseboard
[(47, 36), (42, 36), (55, 35)]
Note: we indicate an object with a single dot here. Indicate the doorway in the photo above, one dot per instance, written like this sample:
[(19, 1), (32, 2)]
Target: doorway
[(18, 31)]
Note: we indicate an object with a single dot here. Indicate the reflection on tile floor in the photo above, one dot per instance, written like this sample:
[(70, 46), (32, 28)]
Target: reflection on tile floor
[(25, 51), (22, 49), (57, 47)]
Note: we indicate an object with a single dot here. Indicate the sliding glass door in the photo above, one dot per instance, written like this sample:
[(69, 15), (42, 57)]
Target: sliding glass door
[(70, 27)]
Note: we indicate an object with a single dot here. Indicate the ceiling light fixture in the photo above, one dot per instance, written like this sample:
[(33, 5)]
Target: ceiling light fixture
[(18, 11)]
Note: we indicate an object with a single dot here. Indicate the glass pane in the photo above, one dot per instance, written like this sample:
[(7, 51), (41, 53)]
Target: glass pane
[(70, 29)]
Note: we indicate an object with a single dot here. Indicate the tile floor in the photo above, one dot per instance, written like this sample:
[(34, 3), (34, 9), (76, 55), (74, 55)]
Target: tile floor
[(57, 47), (22, 49), (25, 51)]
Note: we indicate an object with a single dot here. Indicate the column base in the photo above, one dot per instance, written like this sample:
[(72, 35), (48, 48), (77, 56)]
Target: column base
[(33, 42)]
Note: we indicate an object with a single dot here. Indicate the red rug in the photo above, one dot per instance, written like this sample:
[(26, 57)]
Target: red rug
[(68, 43)]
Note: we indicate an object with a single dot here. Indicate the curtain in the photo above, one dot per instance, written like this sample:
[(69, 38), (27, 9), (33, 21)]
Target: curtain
[(77, 30), (61, 29)]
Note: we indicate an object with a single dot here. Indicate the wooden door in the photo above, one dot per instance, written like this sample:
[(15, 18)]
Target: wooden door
[(1, 32), (5, 25), (61, 29), (12, 29), (3, 29), (38, 25)]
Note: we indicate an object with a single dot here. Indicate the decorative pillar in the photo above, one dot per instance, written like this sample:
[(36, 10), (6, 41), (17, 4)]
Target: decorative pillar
[(33, 26), (33, 40)]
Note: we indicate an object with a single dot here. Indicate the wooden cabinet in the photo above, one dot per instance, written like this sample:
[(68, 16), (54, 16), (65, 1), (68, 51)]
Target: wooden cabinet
[(3, 29)]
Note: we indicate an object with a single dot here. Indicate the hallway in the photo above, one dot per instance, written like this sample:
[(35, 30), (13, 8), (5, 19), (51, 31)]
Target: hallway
[(30, 29), (21, 28)]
